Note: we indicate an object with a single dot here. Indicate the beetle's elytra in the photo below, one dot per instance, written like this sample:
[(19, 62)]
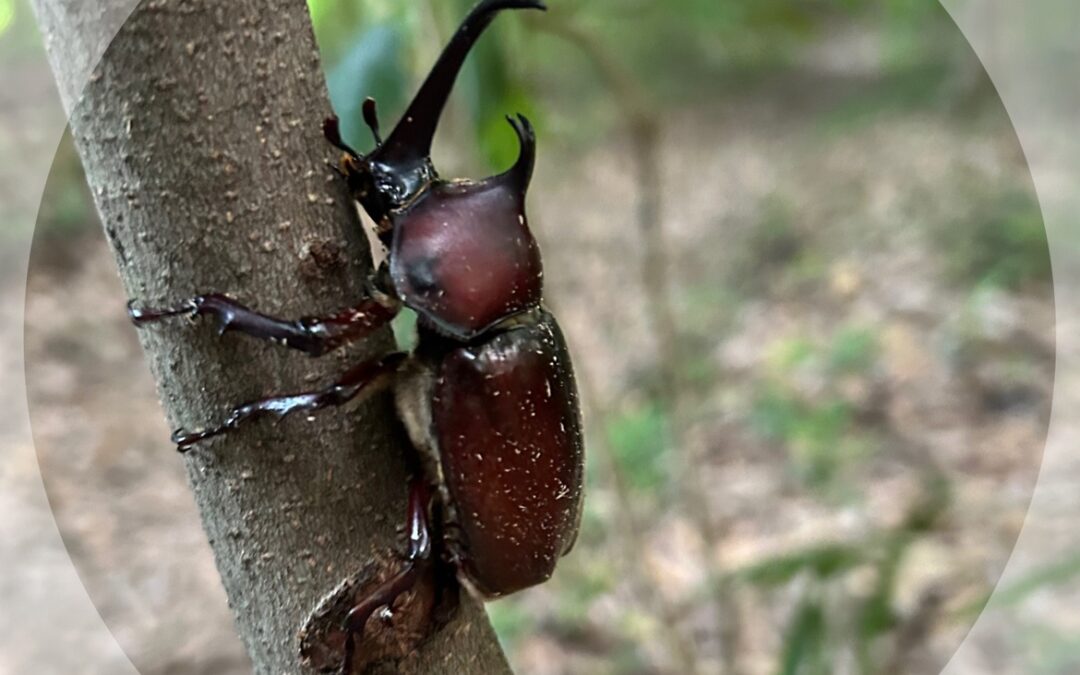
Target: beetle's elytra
[(488, 395)]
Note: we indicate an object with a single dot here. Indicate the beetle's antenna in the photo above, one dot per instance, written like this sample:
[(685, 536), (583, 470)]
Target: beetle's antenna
[(331, 129), (410, 141), (371, 118)]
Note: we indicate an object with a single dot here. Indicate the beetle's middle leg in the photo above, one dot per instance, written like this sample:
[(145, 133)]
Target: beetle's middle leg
[(361, 379), (315, 335)]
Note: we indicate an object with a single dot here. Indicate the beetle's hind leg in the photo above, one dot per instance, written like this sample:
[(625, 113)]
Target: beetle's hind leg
[(420, 565), (361, 379), (315, 335)]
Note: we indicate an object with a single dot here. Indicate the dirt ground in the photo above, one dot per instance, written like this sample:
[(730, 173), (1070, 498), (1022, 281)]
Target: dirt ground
[(960, 384)]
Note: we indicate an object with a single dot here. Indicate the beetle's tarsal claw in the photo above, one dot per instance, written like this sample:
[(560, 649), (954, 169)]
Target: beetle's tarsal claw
[(185, 439), (410, 141), (371, 118), (144, 315)]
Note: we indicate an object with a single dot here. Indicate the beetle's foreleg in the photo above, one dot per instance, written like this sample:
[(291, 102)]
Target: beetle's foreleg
[(363, 378), (417, 557), (314, 335)]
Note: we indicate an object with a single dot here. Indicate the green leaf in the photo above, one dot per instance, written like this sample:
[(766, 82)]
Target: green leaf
[(824, 562), (877, 614), (805, 649)]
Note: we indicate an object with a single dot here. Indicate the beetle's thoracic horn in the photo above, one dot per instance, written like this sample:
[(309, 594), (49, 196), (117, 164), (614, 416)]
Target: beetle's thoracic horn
[(520, 173), (410, 140)]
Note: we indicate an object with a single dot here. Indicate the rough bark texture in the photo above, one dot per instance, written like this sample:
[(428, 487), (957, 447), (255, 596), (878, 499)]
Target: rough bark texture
[(199, 132)]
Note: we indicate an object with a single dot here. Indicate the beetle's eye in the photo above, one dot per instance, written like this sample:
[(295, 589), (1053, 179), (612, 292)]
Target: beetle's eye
[(421, 275)]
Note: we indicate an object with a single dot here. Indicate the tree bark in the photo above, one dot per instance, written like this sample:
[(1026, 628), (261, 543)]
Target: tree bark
[(200, 134)]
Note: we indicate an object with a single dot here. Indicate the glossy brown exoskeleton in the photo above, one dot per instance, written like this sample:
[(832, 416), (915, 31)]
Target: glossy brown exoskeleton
[(488, 395)]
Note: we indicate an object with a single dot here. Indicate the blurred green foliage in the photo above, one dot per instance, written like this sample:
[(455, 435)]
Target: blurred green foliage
[(779, 255), (492, 85), (7, 15), (1000, 240), (903, 88), (581, 586), (805, 643), (1053, 651), (773, 248), (371, 67), (577, 56), (1041, 579), (65, 202), (853, 350), (813, 639), (364, 52), (511, 621), (815, 422), (814, 433), (640, 440), (19, 38), (823, 562)]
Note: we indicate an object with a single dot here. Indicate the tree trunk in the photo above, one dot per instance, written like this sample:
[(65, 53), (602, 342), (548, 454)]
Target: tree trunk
[(200, 134)]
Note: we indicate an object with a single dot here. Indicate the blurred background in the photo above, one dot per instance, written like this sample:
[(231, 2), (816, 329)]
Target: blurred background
[(797, 253)]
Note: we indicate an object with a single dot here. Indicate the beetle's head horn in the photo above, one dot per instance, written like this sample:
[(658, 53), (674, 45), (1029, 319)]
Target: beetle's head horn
[(399, 168), (410, 141)]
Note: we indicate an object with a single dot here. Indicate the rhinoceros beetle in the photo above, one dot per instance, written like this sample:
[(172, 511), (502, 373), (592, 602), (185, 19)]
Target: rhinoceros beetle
[(488, 395)]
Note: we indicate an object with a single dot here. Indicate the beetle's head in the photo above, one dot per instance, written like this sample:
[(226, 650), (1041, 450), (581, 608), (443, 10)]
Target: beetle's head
[(398, 171), (380, 186)]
